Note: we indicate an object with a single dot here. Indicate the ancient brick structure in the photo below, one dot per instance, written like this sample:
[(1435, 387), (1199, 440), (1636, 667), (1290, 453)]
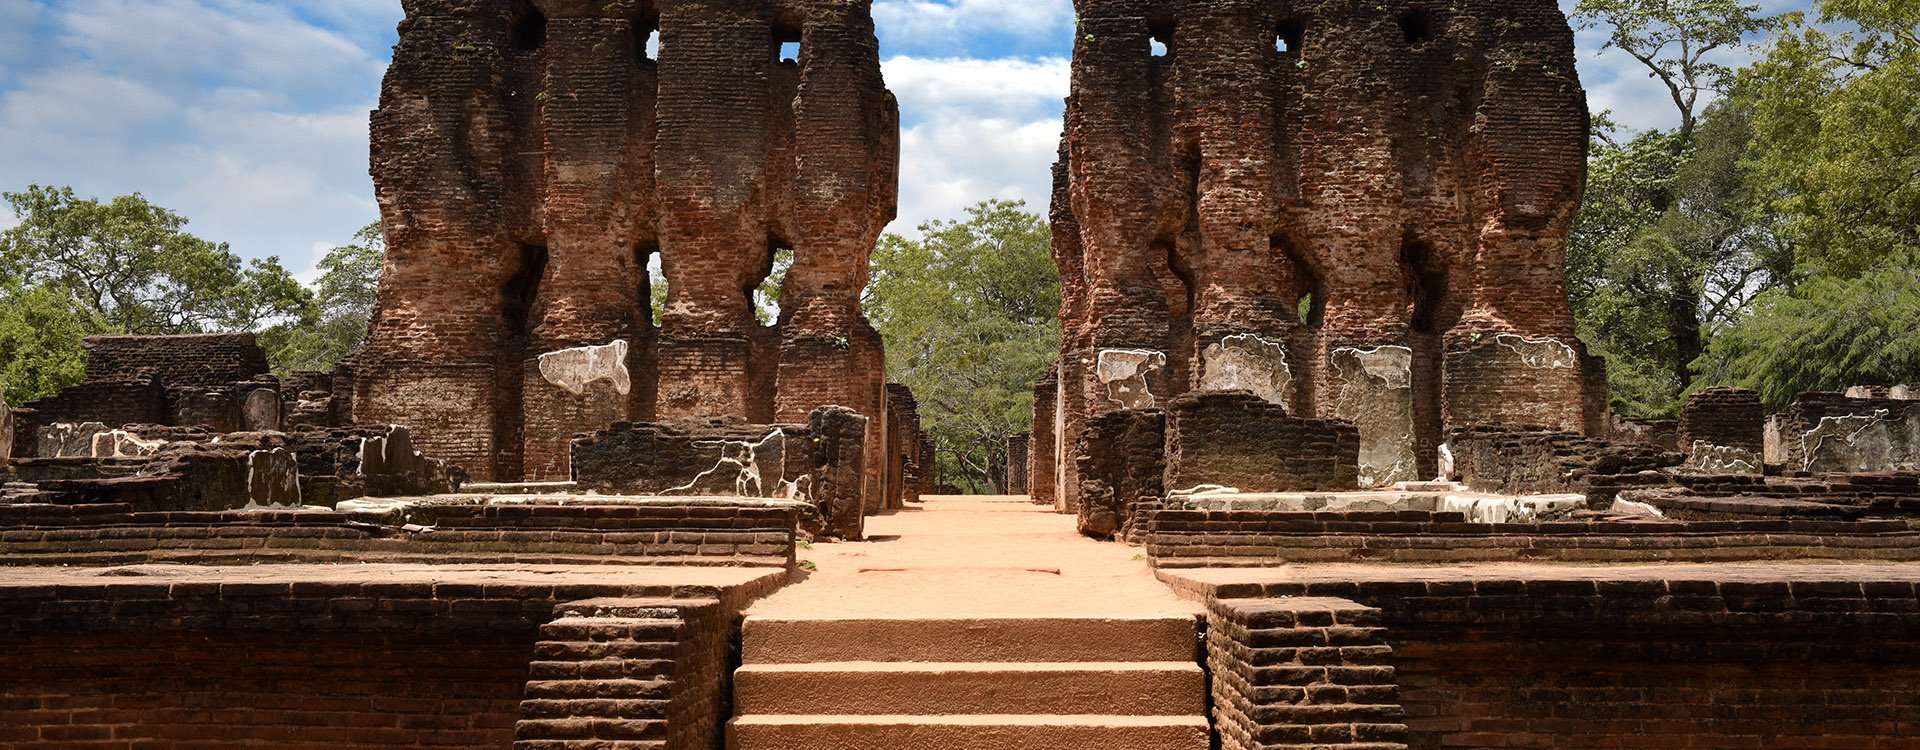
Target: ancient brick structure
[(1121, 459), (1724, 430), (217, 381), (533, 156), (1243, 441), (1357, 211), (1862, 430), (822, 463), (1019, 460)]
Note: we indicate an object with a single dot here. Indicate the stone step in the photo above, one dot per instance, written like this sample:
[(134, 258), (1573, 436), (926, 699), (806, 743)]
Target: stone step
[(1016, 639), (969, 732), (932, 688)]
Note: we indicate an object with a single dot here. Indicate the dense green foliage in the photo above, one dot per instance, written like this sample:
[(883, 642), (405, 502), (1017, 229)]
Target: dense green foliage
[(1746, 240), (333, 326), (969, 312), (75, 267)]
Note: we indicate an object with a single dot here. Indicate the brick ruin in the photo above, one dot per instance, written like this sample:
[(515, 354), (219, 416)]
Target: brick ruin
[(1345, 285), (1356, 212), (532, 158)]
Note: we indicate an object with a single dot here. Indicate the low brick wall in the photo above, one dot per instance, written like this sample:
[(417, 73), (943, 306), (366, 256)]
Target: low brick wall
[(1556, 656), (1301, 673), (1221, 538), (314, 657), (453, 530)]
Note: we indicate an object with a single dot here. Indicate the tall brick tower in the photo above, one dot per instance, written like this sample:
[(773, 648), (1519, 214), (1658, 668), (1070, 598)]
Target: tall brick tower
[(532, 156), (1356, 210)]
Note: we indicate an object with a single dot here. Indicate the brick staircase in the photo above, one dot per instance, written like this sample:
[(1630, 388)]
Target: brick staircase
[(621, 674), (970, 684)]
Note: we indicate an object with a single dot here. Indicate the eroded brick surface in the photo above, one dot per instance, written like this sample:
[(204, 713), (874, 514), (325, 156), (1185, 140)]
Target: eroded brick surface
[(531, 159), (1356, 211)]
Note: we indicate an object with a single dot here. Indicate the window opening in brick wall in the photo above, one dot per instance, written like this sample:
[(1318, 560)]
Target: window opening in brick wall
[(1289, 38), (1416, 26), (646, 36), (529, 30), (1160, 35), (786, 41)]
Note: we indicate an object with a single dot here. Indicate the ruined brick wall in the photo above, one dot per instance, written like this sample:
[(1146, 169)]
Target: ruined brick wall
[(1520, 460), (1121, 461), (1245, 538), (1019, 459), (1834, 432), (903, 446), (1720, 427), (452, 659), (220, 381), (232, 690), (1748, 657), (1242, 441), (1357, 211), (209, 359), (1041, 462), (533, 156), (822, 463)]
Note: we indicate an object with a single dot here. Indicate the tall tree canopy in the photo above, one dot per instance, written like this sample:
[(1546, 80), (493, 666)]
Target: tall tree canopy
[(133, 265), (1746, 245), (334, 325), (969, 314)]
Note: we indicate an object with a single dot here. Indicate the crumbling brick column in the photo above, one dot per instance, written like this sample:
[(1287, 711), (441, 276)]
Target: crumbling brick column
[(532, 157), (1121, 460), (1276, 199), (1041, 458), (1242, 441), (1305, 671)]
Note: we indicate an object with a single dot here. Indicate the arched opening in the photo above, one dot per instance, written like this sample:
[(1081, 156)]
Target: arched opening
[(766, 294), (786, 41), (529, 29), (1289, 37), (1160, 35), (646, 40), (1416, 26), (1426, 281)]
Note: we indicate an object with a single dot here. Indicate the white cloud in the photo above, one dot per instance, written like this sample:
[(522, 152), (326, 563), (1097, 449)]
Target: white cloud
[(955, 25), (975, 129), (248, 117)]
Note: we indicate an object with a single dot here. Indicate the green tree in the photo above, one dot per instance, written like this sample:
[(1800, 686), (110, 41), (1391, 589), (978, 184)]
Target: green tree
[(1665, 248), (40, 334), (334, 325), (132, 264), (1826, 334), (969, 314), (1837, 131)]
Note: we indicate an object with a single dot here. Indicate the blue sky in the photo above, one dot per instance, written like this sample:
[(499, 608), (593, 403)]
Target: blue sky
[(250, 116)]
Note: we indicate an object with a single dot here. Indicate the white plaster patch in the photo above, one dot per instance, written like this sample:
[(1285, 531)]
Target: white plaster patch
[(755, 469), (123, 444), (1540, 354), (1632, 508), (1376, 394), (1863, 442), (1248, 362), (1126, 375), (1724, 459), (574, 369), (273, 479), (1495, 509), (68, 440), (390, 454), (1446, 463)]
